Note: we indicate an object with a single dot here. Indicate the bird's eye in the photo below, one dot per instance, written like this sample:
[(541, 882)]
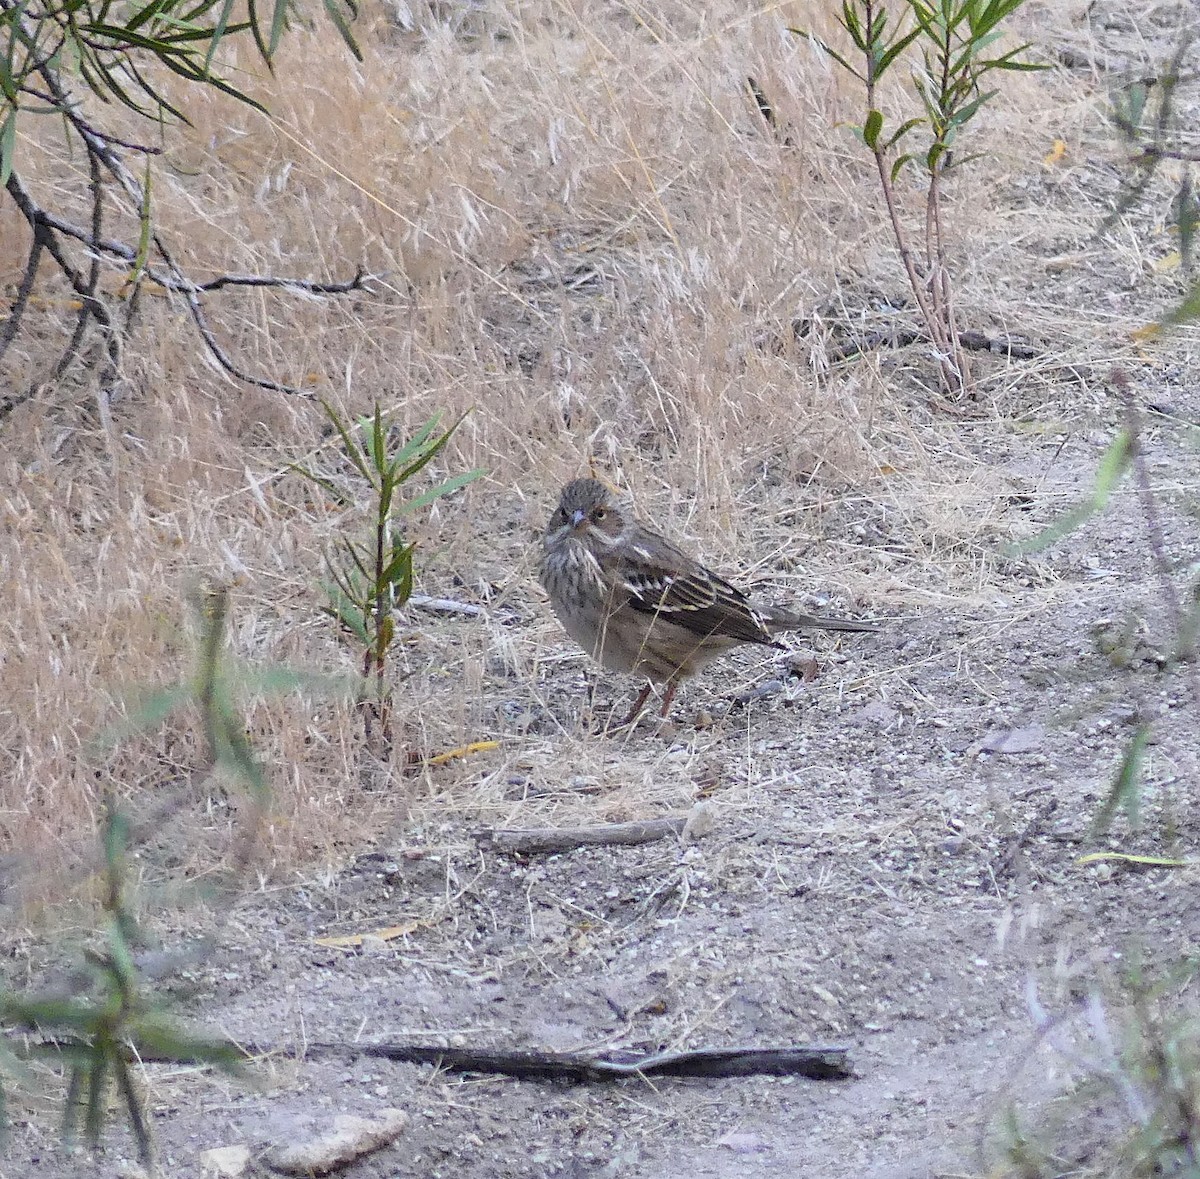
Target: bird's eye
[(599, 514)]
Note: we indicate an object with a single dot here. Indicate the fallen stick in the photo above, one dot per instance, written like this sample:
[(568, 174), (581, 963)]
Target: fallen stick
[(444, 605), (559, 839), (817, 1062)]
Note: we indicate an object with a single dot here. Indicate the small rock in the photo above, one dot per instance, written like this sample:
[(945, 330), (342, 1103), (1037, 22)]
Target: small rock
[(225, 1162), (700, 822), (761, 691), (346, 1139), (876, 714), (1024, 740)]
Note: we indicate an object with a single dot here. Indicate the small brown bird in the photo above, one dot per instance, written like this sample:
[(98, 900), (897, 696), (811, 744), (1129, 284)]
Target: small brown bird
[(636, 603)]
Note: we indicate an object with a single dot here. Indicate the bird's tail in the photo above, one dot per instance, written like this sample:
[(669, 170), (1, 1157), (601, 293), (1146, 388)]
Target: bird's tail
[(778, 620)]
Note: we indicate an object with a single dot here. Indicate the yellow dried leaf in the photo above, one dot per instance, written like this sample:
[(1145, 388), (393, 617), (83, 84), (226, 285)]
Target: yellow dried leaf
[(440, 759), (1056, 154)]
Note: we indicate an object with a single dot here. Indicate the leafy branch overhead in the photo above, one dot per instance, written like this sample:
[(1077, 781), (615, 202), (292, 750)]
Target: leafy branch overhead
[(55, 58)]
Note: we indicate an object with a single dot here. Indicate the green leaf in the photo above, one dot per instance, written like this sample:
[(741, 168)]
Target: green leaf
[(872, 128), (1112, 466), (851, 23), (894, 50), (148, 711), (151, 10), (453, 483), (349, 446), (347, 615), (829, 52), (398, 567), (123, 38), (218, 33), (416, 444), (327, 485), (899, 165), (903, 130), (143, 251), (8, 144), (256, 31), (1125, 792), (278, 24), (376, 440), (333, 9)]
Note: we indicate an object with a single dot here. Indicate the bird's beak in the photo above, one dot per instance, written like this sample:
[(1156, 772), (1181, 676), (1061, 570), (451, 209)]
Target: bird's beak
[(578, 516)]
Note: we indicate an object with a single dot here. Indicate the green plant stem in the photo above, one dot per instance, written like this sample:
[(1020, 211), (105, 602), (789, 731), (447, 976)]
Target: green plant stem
[(951, 377)]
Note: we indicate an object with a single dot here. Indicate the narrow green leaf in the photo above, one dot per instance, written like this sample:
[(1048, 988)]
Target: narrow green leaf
[(378, 442), (333, 9), (143, 251), (330, 488), (829, 51), (149, 12), (894, 50), (416, 444), (451, 484), (900, 164), (124, 38), (872, 128), (394, 572), (851, 23), (1126, 790), (1112, 466), (1187, 310), (278, 24), (218, 33), (349, 446), (901, 131), (8, 144), (256, 32), (149, 89)]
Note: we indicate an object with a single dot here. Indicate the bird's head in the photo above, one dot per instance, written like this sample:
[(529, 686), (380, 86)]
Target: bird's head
[(588, 513)]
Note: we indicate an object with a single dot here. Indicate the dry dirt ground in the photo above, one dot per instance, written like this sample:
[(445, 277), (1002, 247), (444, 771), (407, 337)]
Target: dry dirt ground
[(893, 862)]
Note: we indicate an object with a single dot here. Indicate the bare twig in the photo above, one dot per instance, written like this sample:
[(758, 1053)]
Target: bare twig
[(34, 216), (559, 839), (1154, 529), (96, 188), (9, 332)]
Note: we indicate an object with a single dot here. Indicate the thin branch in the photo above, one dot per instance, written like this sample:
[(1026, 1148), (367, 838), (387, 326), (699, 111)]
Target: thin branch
[(85, 310), (357, 283), (9, 332), (209, 337), (34, 215), (1154, 529), (78, 119), (183, 285)]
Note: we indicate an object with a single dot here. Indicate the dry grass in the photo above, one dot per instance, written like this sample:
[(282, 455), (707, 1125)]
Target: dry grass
[(593, 242)]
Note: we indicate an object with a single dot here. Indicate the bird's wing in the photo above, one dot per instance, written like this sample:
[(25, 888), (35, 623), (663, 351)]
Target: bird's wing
[(690, 596)]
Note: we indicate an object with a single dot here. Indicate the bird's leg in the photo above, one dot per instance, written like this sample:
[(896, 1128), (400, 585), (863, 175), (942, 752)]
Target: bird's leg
[(638, 705), (668, 696)]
